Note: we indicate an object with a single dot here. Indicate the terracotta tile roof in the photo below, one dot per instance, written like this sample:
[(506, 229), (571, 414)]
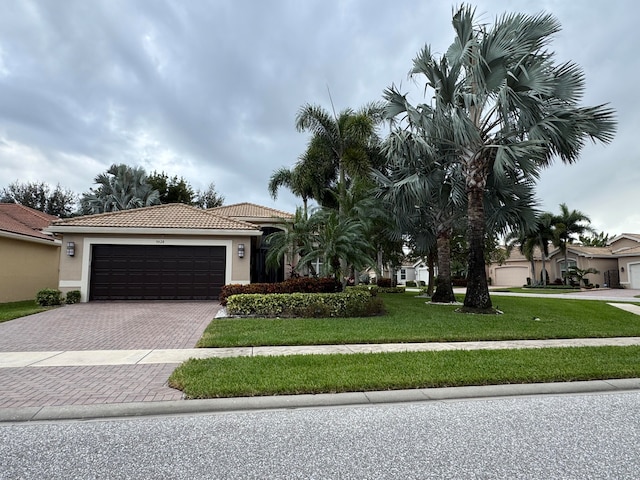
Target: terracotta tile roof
[(169, 216), (22, 220), (249, 210), (591, 251), (629, 252)]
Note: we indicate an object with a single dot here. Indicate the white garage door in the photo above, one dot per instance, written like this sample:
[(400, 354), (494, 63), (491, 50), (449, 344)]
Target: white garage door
[(634, 275), (511, 276)]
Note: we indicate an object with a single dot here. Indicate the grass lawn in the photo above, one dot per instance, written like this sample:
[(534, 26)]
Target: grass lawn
[(297, 374), (11, 310), (410, 319), (542, 291)]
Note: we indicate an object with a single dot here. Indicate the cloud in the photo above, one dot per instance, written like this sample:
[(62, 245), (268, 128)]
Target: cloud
[(210, 90)]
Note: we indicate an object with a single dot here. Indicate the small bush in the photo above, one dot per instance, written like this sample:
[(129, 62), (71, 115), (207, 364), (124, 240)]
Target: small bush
[(384, 282), (391, 290), (410, 283), (72, 297), (372, 289), (48, 297)]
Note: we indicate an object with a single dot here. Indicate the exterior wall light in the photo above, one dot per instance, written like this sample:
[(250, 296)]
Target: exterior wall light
[(622, 269), (241, 250), (71, 249)]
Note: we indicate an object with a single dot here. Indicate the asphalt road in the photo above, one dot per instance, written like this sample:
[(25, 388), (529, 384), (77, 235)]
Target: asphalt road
[(565, 437)]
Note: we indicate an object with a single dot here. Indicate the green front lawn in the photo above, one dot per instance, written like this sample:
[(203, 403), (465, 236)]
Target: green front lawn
[(410, 319), (297, 374), (11, 310)]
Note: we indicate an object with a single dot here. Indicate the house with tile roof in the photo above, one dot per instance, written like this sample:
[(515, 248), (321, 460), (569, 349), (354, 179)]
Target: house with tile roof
[(29, 256), (163, 252), (618, 264)]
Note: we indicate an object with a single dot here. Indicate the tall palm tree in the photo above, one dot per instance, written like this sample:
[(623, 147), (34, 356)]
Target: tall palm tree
[(340, 143), (121, 187), (568, 224), (511, 107)]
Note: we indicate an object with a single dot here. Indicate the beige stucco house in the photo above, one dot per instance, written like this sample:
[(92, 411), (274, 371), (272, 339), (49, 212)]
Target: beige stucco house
[(28, 256), (171, 252), (618, 264)]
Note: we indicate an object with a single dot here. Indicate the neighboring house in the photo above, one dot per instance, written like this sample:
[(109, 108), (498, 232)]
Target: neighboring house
[(269, 220), (28, 256), (618, 264), (413, 270), (170, 252)]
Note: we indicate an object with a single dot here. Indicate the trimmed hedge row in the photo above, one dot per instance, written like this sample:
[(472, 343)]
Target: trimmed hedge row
[(292, 285), (353, 303)]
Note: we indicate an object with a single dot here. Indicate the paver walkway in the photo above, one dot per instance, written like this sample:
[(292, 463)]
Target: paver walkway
[(98, 326)]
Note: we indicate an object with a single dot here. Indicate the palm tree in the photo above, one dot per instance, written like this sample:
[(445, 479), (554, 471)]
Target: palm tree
[(121, 187), (300, 183), (511, 109), (340, 144), (568, 224)]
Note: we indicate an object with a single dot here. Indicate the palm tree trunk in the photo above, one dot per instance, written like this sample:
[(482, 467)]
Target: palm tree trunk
[(444, 290), (544, 272), (477, 296), (534, 279)]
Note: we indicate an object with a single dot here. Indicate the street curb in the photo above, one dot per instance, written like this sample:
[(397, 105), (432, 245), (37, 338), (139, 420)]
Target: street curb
[(242, 404)]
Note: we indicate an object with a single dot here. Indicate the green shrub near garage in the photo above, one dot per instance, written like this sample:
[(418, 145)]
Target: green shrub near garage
[(48, 297), (351, 303)]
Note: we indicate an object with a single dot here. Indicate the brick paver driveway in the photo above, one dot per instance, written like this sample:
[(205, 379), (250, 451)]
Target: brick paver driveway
[(99, 326)]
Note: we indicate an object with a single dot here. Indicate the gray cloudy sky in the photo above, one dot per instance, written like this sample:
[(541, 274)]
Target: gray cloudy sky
[(208, 90)]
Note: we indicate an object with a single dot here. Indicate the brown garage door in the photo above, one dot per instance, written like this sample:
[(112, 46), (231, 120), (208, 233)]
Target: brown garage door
[(156, 272)]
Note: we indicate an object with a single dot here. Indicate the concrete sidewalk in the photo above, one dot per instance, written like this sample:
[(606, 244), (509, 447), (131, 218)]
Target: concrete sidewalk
[(87, 358)]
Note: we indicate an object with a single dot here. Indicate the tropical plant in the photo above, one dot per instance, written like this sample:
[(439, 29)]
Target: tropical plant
[(596, 239), (512, 109), (340, 146), (298, 180), (580, 274), (568, 224), (121, 187)]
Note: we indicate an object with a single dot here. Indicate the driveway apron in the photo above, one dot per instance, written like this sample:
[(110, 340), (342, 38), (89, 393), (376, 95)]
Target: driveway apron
[(99, 326)]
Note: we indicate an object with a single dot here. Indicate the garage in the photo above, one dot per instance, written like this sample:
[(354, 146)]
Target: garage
[(511, 276), (156, 272), (634, 276)]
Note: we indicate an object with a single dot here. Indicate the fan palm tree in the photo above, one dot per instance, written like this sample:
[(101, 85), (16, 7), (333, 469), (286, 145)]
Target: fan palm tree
[(511, 108), (121, 187), (568, 224)]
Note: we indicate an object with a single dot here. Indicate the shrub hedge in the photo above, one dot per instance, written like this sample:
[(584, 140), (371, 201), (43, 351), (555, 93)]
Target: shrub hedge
[(351, 303), (383, 282), (48, 297), (72, 297), (292, 285)]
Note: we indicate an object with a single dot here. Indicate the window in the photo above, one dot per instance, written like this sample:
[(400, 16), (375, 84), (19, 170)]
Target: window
[(403, 274), (563, 271)]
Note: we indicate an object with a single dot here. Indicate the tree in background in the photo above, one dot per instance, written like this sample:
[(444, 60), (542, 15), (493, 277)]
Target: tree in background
[(301, 182), (511, 107), (596, 239), (171, 189), (121, 187), (208, 198), (568, 224), (60, 202)]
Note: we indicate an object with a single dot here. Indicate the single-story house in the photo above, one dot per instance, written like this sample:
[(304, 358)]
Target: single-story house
[(29, 256), (162, 252), (618, 264)]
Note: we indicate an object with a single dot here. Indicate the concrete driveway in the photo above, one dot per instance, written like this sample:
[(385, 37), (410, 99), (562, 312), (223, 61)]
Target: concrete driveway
[(99, 326)]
